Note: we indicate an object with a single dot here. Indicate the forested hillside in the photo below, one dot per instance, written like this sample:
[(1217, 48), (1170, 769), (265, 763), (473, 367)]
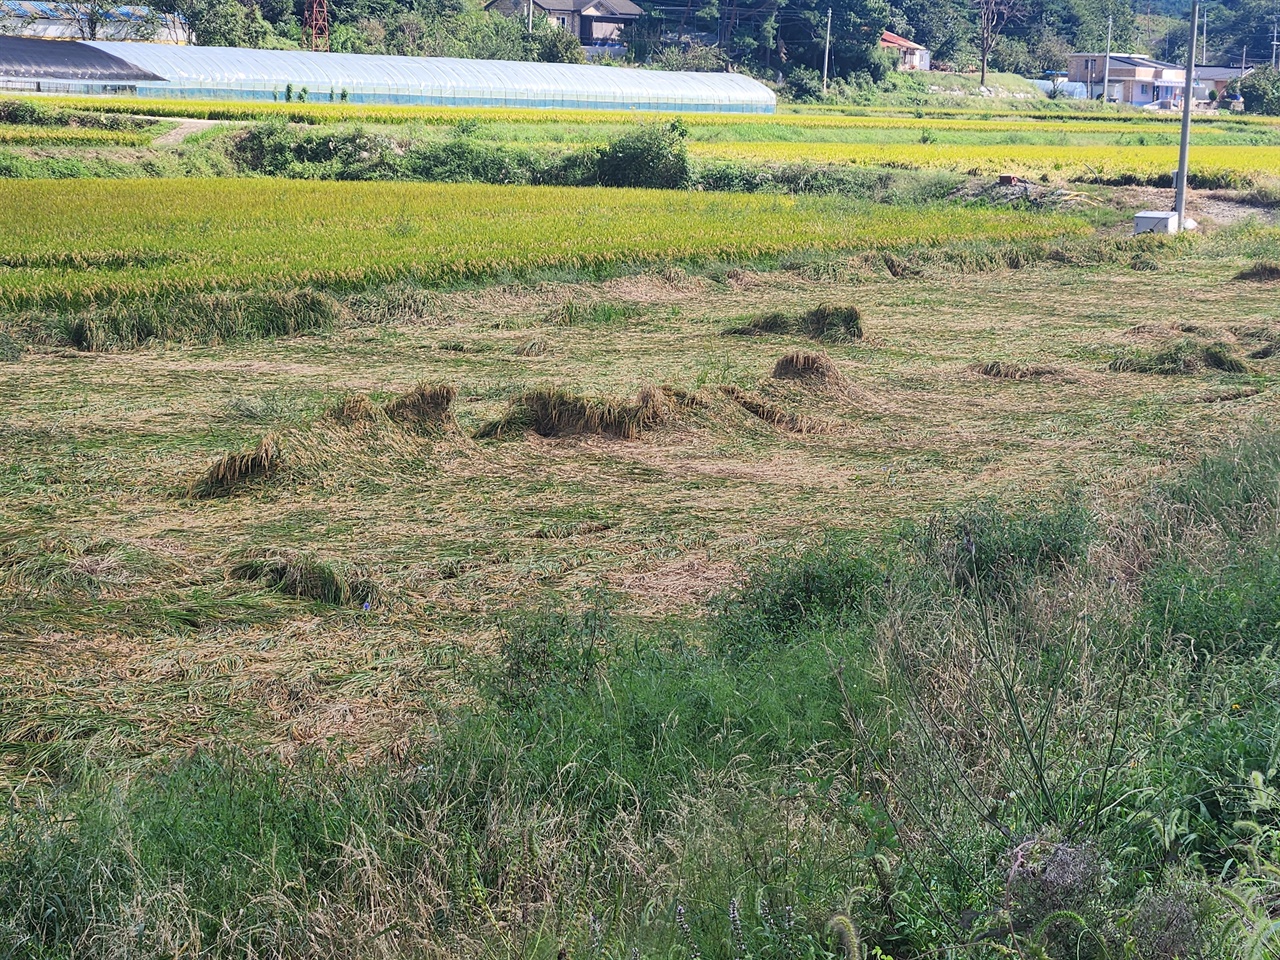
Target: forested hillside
[(779, 40)]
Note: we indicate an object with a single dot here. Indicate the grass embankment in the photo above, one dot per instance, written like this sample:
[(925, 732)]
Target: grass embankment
[(988, 732), (876, 156)]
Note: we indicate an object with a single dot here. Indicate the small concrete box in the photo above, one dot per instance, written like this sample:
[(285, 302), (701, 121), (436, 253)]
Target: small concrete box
[(1155, 221)]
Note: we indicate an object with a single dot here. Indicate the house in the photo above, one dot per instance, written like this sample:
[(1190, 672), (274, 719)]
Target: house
[(911, 56), (1215, 78), (1133, 78), (593, 22), (93, 20)]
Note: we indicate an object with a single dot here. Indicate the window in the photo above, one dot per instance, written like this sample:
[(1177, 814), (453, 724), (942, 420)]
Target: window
[(1144, 88)]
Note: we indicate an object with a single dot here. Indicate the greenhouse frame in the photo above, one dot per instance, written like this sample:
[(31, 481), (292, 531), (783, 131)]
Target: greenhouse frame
[(231, 73)]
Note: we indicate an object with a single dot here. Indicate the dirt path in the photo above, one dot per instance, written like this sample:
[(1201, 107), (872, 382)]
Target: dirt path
[(183, 130), (1203, 205)]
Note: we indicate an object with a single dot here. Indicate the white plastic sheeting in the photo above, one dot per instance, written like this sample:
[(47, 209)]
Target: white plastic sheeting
[(235, 73)]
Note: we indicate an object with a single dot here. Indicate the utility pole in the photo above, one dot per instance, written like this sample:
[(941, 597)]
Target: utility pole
[(1204, 46), (1275, 45), (531, 16), (1244, 58), (826, 53), (1106, 68), (1184, 147)]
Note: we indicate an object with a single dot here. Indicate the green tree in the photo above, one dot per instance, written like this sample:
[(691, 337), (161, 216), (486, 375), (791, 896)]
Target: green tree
[(555, 45), (1261, 91)]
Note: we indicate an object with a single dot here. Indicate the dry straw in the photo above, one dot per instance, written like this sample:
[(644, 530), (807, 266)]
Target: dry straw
[(356, 409), (770, 412), (553, 411), (1005, 370), (233, 471), (809, 368), (426, 409)]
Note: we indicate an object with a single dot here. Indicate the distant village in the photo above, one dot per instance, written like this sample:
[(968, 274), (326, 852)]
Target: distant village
[(600, 26)]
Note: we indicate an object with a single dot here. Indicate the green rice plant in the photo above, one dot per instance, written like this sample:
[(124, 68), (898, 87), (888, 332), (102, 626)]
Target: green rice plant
[(829, 323), (305, 576), (251, 237), (190, 318)]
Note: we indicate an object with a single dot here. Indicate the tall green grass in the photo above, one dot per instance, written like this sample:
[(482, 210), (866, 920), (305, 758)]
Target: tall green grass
[(969, 737)]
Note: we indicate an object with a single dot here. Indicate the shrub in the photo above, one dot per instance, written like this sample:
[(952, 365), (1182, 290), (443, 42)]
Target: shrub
[(984, 548), (652, 156), (838, 583)]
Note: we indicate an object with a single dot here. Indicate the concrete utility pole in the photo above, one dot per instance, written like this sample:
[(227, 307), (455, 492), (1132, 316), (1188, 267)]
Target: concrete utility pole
[(1275, 45), (1106, 67), (531, 16), (1184, 147), (1204, 45), (1244, 58), (826, 52)]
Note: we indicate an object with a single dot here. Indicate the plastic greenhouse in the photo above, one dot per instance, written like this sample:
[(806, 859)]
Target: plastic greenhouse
[(232, 73)]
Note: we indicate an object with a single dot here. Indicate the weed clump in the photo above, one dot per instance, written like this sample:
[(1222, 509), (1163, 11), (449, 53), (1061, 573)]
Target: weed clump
[(305, 577), (807, 367), (986, 549), (1181, 355), (684, 398), (552, 411), (827, 322), (10, 349), (833, 584), (1264, 271), (198, 318), (426, 409), (571, 313), (1005, 370), (1221, 356), (232, 471), (770, 412)]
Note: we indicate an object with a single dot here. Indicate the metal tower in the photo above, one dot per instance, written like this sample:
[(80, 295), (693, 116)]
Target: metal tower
[(316, 24)]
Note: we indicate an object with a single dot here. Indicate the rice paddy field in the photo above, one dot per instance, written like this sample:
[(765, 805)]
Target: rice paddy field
[(472, 569), (1040, 139)]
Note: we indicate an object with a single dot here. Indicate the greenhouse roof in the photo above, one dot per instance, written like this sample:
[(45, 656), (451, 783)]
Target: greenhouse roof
[(234, 73)]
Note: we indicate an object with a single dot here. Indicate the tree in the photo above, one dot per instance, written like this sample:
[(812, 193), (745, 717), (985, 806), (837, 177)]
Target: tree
[(1261, 91), (555, 45), (212, 23), (993, 17), (92, 16)]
